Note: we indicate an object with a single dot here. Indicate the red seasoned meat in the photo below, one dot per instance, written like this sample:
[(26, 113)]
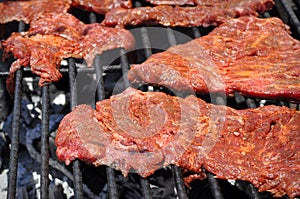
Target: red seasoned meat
[(208, 3), (253, 56), (101, 6), (26, 11), (204, 14), (172, 2), (143, 131), (59, 36)]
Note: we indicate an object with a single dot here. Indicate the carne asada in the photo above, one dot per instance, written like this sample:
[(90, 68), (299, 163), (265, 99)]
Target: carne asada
[(144, 131)]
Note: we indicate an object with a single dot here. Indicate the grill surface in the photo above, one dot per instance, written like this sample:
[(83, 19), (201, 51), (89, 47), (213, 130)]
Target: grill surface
[(287, 10)]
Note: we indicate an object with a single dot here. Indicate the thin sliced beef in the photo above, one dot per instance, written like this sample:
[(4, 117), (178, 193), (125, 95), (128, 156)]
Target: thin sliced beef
[(101, 6), (26, 11), (204, 14), (253, 56), (208, 3), (143, 131), (172, 2), (59, 36)]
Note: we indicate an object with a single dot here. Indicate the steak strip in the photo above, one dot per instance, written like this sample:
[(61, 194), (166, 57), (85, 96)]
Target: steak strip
[(205, 14), (101, 6), (143, 131), (253, 56), (172, 2), (26, 11), (59, 36)]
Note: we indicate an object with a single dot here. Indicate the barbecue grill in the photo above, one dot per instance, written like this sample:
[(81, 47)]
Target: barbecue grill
[(110, 74)]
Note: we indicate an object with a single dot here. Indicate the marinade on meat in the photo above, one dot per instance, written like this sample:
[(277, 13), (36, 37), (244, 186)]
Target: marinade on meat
[(209, 3), (255, 57), (204, 14), (101, 6), (26, 11), (59, 36), (172, 2), (143, 131)]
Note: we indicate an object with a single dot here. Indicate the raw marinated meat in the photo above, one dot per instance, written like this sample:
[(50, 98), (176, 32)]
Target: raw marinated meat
[(101, 6), (255, 57), (204, 14), (143, 131), (59, 36), (26, 11)]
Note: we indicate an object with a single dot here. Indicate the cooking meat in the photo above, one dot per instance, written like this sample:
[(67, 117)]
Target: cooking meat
[(101, 6), (143, 131), (59, 36), (172, 2), (253, 56), (204, 14), (208, 3), (26, 11)]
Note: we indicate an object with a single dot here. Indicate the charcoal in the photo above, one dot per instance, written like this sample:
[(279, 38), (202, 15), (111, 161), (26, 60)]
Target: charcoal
[(5, 99), (25, 182), (162, 184), (56, 192), (30, 124), (4, 150)]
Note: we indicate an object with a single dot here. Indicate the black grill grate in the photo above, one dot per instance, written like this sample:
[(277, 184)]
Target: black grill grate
[(286, 9)]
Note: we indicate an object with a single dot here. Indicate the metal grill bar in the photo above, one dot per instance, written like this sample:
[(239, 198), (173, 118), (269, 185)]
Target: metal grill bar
[(111, 181), (148, 52), (171, 37), (253, 192), (45, 143), (292, 15), (250, 103), (99, 77), (125, 67), (77, 174), (214, 185), (177, 175), (14, 152), (145, 188), (145, 36), (181, 193)]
